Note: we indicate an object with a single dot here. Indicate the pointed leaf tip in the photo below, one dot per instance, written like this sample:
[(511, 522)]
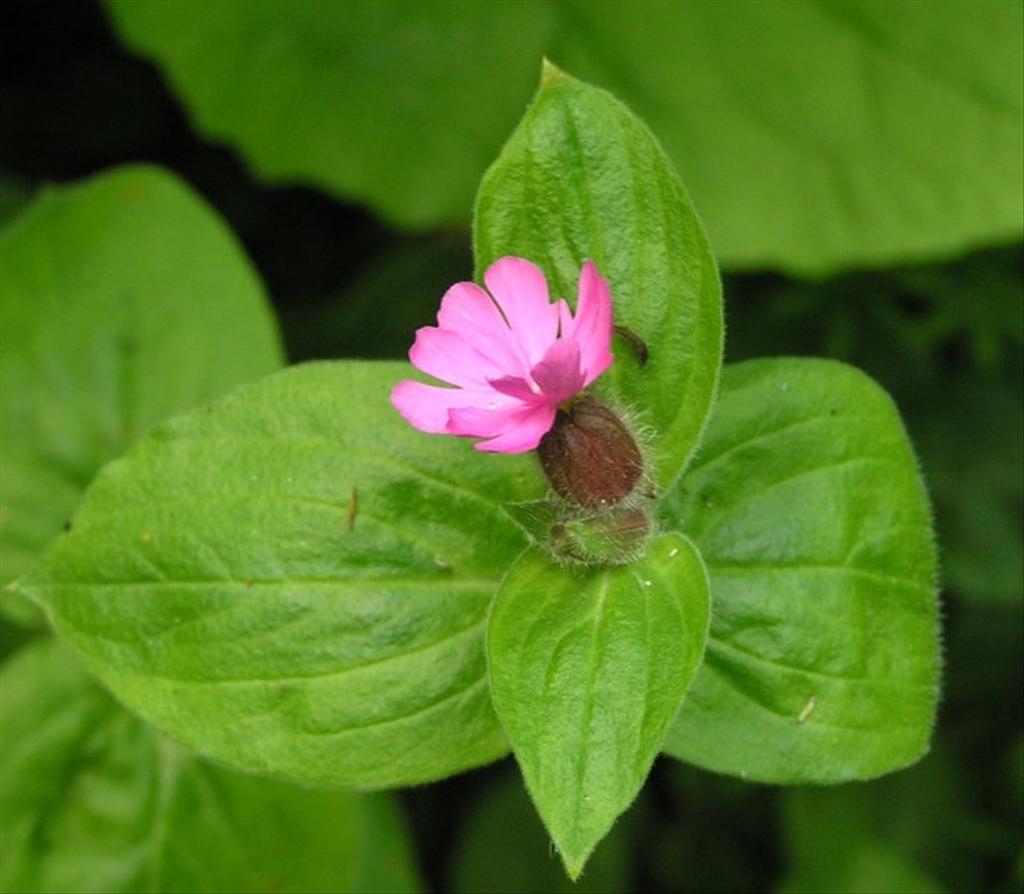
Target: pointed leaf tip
[(574, 868), (551, 74)]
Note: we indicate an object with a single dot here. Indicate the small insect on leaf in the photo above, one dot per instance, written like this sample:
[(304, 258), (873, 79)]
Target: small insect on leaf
[(636, 343), (807, 710)]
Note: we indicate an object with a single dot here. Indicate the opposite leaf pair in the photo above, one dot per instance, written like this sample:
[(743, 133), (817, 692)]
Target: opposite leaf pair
[(213, 581)]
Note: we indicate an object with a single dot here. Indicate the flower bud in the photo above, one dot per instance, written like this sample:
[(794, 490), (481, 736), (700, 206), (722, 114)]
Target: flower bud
[(589, 456), (612, 536)]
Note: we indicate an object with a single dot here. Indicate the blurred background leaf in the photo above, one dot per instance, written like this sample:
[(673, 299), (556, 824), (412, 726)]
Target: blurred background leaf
[(402, 106), (14, 194), (94, 800), (125, 300), (918, 831)]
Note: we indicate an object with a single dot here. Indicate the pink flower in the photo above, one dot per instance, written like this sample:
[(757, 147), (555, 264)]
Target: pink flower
[(513, 360)]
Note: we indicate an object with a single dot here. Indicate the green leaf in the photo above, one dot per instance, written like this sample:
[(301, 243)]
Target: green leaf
[(504, 848), (610, 195), (587, 670), (293, 580), (860, 133), (94, 800), (125, 300), (823, 660)]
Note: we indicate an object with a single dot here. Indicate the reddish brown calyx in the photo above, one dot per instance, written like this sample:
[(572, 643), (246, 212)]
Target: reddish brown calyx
[(590, 457)]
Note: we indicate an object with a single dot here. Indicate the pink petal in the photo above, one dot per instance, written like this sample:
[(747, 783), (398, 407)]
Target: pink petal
[(521, 291), (558, 374), (486, 422), (592, 327), (427, 407), (471, 313), (517, 387), (565, 320), (524, 434), (447, 356), (516, 357)]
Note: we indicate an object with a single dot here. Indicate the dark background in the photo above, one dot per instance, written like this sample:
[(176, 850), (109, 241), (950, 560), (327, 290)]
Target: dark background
[(944, 339)]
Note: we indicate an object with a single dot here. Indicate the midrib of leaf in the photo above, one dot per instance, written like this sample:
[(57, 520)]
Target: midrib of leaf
[(638, 768), (655, 571), (588, 705)]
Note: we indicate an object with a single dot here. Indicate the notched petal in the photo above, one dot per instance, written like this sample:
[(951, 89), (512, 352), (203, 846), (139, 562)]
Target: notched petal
[(521, 291)]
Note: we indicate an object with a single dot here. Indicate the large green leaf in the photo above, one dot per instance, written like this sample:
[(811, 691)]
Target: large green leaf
[(814, 135), (823, 660), (125, 300), (587, 670), (295, 581), (94, 800), (610, 195)]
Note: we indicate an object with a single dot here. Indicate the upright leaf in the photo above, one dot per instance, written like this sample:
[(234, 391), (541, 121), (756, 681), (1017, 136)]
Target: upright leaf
[(292, 580), (587, 670), (582, 178), (823, 660), (125, 300), (94, 800)]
